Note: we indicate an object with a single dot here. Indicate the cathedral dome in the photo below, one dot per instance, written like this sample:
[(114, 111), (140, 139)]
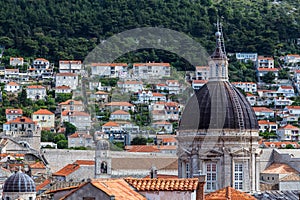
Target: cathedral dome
[(19, 182), (218, 105)]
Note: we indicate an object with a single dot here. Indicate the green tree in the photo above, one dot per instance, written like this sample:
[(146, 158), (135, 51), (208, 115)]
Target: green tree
[(70, 128), (62, 144), (139, 140), (268, 77), (59, 137)]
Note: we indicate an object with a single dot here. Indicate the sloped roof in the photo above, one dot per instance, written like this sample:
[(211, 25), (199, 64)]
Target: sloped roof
[(120, 112), (268, 69), (43, 112), (66, 74), (266, 122), (62, 87), (118, 188), (101, 92), (43, 184), (158, 184), (35, 87), (119, 103), (68, 102), (111, 124), (280, 168), (21, 120), (74, 113), (13, 84), (151, 64), (289, 127), (142, 148), (38, 165), (9, 111), (262, 109), (162, 123), (228, 193), (291, 177), (70, 168)]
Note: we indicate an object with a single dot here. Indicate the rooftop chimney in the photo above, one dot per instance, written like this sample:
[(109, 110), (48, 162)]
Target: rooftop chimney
[(200, 189), (153, 172)]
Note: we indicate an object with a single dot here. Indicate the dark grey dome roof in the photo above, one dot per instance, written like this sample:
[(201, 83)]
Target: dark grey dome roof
[(19, 182), (218, 105)]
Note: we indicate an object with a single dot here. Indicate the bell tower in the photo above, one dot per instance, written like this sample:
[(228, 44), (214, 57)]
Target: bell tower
[(102, 160)]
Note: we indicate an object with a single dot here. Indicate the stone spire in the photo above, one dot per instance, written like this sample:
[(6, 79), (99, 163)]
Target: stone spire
[(218, 63)]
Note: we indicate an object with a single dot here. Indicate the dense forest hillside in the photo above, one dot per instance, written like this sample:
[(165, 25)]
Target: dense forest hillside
[(69, 29)]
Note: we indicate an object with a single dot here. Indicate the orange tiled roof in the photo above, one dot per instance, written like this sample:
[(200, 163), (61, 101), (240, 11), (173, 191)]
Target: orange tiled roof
[(85, 162), (118, 188), (168, 147), (131, 82), (228, 193), (162, 123), (43, 184), (289, 127), (68, 102), (169, 139), (35, 87), (293, 107), (119, 103), (111, 124), (142, 148), (41, 59), (265, 122), (21, 120), (120, 112), (262, 109), (9, 111), (158, 112), (77, 135), (200, 81), (74, 113), (156, 94), (164, 176), (264, 58), (169, 184), (62, 87), (243, 83), (101, 92), (267, 69), (38, 165), (280, 168), (68, 169), (43, 112), (70, 62), (286, 87), (108, 64), (279, 144), (13, 84)]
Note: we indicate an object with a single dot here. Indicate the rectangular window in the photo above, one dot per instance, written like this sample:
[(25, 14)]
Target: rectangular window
[(211, 172), (187, 169), (238, 176)]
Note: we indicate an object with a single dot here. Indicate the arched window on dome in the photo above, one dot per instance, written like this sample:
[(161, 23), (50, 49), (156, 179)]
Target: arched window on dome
[(217, 70)]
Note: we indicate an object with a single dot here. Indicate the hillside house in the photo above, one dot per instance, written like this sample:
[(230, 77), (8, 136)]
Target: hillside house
[(101, 96), (197, 84), (111, 70), (286, 91), (246, 86), (147, 97), (130, 86), (173, 86), (264, 62), (70, 66), (263, 71), (71, 105), (120, 115), (291, 59), (44, 118), (14, 61), (12, 87), (63, 89), (265, 125), (263, 112), (13, 113), (151, 70), (41, 68), (11, 73), (81, 120), (111, 126), (36, 92), (288, 133), (202, 72), (120, 105), (163, 127), (80, 140), (292, 110), (251, 98), (67, 79)]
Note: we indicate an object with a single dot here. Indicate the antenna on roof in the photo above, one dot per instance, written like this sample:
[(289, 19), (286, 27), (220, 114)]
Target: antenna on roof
[(219, 28)]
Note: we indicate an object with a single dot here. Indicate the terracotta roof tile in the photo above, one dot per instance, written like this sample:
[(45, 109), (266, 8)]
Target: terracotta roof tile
[(293, 107), (169, 139), (21, 120), (120, 103), (109, 124), (162, 123), (158, 184), (70, 62), (85, 162), (74, 113), (108, 64), (200, 81), (38, 165), (43, 112), (35, 87), (41, 59), (164, 176), (68, 169), (142, 148), (291, 177), (120, 112), (43, 184), (228, 193), (286, 87), (280, 168), (62, 87), (289, 127), (262, 109), (13, 84), (268, 69), (266, 122), (9, 111), (70, 101), (279, 144), (101, 92)]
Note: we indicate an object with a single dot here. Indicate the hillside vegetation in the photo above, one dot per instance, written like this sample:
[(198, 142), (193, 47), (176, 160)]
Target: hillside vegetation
[(60, 29)]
